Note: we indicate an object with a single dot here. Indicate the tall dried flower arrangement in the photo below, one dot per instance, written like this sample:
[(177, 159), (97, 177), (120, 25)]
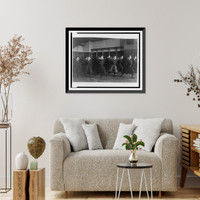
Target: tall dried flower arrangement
[(14, 57), (192, 80)]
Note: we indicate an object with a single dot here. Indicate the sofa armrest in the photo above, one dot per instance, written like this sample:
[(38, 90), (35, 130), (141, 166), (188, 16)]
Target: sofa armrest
[(59, 149), (166, 149)]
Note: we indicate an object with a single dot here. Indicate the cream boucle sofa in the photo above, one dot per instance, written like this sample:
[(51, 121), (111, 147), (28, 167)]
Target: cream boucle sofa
[(95, 170)]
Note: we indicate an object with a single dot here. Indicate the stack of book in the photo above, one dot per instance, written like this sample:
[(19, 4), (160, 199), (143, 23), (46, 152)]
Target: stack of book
[(196, 143)]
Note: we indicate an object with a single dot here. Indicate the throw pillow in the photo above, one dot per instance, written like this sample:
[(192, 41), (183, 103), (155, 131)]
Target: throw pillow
[(124, 129), (75, 134), (148, 130), (92, 136)]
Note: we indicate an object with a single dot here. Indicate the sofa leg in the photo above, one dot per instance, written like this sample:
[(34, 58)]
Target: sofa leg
[(66, 194), (160, 194)]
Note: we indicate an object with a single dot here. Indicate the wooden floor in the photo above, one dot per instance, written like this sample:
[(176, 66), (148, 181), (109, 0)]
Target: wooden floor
[(182, 193)]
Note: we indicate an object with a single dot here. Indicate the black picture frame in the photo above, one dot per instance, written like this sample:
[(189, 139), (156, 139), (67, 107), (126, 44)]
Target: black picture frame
[(88, 72)]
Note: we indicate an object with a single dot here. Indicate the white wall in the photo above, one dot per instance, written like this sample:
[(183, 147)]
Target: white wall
[(172, 43)]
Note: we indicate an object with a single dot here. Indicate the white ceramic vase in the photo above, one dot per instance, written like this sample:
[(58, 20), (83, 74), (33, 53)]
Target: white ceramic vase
[(21, 161)]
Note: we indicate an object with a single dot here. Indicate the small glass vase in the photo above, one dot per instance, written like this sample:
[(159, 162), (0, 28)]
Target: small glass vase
[(6, 108), (34, 165), (133, 159)]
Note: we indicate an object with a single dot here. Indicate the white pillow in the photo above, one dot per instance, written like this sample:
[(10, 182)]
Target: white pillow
[(75, 134), (92, 136), (148, 130), (124, 129)]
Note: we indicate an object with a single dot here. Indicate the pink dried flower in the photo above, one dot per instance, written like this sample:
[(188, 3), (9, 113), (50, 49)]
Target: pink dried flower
[(140, 148), (14, 57), (126, 141), (131, 136)]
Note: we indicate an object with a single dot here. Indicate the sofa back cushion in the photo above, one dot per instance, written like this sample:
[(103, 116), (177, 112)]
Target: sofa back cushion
[(108, 128)]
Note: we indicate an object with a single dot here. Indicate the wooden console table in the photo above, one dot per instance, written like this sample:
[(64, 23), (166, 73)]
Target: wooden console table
[(190, 157)]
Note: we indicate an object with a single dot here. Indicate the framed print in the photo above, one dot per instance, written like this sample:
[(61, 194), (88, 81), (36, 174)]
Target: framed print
[(105, 60)]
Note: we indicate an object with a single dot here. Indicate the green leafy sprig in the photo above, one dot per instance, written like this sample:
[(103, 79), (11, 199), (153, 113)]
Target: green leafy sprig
[(132, 143)]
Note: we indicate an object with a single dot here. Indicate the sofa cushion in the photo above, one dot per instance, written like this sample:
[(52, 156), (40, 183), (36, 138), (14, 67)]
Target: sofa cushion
[(148, 130), (92, 136), (124, 129), (97, 170), (75, 134)]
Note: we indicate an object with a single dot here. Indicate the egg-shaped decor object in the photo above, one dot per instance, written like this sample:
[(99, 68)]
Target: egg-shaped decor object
[(21, 161)]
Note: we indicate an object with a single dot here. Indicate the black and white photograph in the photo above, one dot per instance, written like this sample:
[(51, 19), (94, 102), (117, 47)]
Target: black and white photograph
[(105, 60)]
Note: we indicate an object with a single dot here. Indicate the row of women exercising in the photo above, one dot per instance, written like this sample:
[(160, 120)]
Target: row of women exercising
[(104, 66)]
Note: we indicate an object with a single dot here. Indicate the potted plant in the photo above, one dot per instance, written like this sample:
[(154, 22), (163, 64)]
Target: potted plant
[(133, 144)]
